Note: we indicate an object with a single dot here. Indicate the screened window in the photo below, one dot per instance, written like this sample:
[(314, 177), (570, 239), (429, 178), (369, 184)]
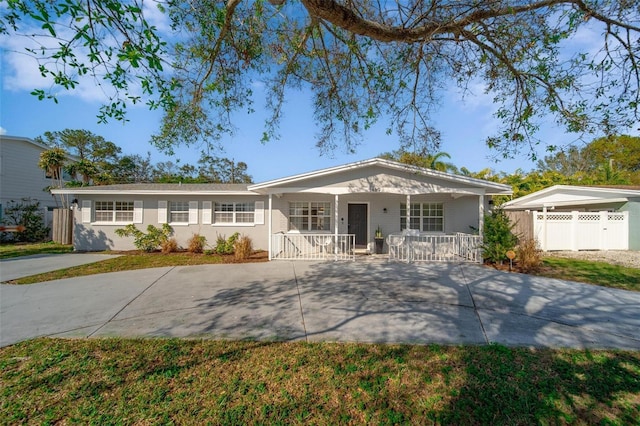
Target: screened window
[(309, 216), (179, 212), (427, 217), (114, 211), (234, 212)]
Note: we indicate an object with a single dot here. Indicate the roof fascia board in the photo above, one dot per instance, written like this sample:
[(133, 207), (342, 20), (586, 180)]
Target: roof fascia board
[(522, 201), (75, 191), (503, 189), (345, 190)]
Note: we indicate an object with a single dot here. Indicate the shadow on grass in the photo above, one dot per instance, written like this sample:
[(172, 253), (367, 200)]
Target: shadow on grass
[(546, 387)]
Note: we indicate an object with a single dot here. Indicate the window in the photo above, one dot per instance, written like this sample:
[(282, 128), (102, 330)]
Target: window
[(234, 213), (309, 216), (114, 211), (179, 212), (427, 217)]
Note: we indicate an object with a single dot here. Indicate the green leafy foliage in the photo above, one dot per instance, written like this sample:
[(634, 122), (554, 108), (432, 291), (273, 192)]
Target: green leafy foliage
[(226, 245), (361, 62), (150, 241), (29, 214), (497, 236)]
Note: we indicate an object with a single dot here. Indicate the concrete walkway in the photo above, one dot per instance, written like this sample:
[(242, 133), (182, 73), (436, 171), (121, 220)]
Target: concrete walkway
[(309, 301)]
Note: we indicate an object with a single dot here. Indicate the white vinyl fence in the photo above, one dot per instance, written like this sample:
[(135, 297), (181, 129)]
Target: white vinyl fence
[(420, 247), (312, 247), (582, 230)]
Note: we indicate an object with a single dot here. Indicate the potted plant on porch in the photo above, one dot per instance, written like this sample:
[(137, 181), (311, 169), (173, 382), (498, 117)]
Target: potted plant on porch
[(379, 240)]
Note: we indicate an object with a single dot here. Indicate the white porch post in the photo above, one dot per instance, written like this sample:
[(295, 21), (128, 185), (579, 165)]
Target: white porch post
[(544, 233), (335, 226), (480, 214), (270, 226), (408, 211)]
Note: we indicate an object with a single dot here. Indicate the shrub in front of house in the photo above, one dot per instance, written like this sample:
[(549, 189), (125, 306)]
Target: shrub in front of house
[(243, 248), (169, 246), (150, 241), (196, 243), (529, 255), (498, 237), (226, 245)]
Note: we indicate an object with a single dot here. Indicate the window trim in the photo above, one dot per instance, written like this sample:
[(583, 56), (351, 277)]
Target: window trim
[(91, 205), (234, 213), (310, 216), (170, 211), (421, 216)]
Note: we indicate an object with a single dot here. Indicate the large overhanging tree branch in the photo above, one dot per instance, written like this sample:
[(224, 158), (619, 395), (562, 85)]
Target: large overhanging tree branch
[(362, 59)]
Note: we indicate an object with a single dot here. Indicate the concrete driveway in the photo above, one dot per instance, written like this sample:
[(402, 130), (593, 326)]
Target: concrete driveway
[(24, 266), (363, 302)]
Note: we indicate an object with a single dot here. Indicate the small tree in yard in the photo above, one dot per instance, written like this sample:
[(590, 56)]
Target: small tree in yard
[(150, 241), (497, 238), (27, 213)]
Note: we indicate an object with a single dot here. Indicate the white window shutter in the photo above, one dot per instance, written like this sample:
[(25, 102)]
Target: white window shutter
[(137, 211), (193, 212), (258, 218), (86, 211), (206, 212), (162, 211)]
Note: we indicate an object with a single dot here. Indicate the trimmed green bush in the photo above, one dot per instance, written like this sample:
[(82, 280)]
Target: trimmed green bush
[(150, 241), (497, 237), (226, 245)]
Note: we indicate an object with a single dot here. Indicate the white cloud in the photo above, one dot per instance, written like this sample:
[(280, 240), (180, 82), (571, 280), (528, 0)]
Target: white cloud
[(3, 131), (21, 72), (155, 17), (21, 69)]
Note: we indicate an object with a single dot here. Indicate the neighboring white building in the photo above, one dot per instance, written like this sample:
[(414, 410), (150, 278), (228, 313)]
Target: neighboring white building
[(331, 211), (20, 176), (568, 217)]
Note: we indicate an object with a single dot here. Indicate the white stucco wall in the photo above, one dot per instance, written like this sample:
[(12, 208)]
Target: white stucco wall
[(99, 236)]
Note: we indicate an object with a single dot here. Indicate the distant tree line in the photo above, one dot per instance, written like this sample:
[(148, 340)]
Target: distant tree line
[(92, 160), (606, 161)]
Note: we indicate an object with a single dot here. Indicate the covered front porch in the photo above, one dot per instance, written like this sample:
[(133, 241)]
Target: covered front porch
[(336, 214), (404, 246)]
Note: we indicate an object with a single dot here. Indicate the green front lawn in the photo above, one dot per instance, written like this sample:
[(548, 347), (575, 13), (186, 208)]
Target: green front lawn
[(598, 273), (118, 381), (137, 260), (16, 250)]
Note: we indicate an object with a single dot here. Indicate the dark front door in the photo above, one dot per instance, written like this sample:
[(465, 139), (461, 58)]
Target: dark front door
[(358, 223)]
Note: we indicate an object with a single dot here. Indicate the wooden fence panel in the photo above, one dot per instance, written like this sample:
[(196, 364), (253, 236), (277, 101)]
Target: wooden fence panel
[(62, 226), (522, 222)]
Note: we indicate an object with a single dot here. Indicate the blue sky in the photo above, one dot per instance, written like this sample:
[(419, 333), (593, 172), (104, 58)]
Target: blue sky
[(464, 123), (464, 126)]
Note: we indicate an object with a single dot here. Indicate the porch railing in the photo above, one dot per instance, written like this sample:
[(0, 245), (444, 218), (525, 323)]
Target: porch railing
[(312, 246), (414, 246)]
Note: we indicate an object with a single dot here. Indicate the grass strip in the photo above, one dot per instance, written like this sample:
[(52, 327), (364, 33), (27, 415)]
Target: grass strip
[(158, 381), (129, 262), (8, 251), (598, 273)]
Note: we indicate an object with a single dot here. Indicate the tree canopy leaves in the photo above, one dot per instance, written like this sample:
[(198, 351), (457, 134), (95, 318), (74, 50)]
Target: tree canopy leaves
[(363, 60)]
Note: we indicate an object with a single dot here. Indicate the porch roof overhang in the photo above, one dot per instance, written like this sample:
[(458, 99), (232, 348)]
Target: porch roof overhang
[(383, 176)]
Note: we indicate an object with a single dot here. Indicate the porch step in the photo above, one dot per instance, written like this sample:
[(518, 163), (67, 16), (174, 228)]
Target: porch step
[(370, 257)]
